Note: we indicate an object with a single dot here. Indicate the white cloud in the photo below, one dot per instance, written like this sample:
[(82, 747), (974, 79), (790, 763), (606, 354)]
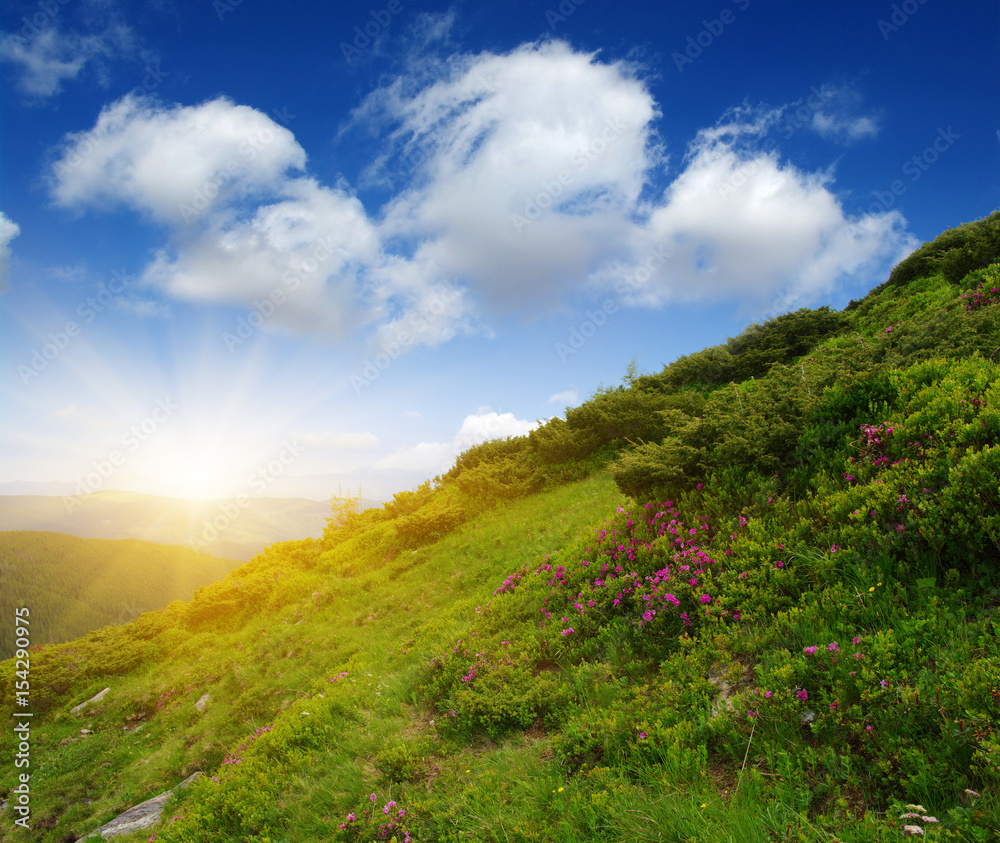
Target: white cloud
[(738, 223), (567, 398), (502, 138), (837, 114), (8, 231), (527, 177), (436, 457), (47, 58), (177, 164), (342, 441), (849, 128), (245, 227)]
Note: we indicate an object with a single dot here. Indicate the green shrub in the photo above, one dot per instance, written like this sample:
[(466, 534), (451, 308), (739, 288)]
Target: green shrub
[(954, 253)]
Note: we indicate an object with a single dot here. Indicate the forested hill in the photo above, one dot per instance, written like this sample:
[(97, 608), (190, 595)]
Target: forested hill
[(76, 585), (751, 597)]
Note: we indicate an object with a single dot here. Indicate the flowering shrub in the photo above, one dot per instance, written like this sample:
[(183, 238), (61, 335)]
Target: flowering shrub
[(375, 822), (986, 292)]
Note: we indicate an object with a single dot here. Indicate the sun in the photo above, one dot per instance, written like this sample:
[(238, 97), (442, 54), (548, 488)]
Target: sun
[(194, 479), (198, 473)]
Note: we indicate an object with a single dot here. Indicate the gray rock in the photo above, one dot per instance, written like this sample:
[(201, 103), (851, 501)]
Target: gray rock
[(140, 816), (202, 702), (94, 699)]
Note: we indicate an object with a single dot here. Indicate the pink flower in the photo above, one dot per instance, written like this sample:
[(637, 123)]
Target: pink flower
[(803, 695), (768, 695), (706, 599)]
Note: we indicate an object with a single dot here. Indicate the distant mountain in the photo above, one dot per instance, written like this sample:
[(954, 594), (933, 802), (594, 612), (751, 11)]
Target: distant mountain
[(71, 585), (234, 528)]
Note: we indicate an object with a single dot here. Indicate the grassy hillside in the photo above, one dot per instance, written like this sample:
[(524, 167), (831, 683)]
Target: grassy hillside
[(752, 597), (75, 585)]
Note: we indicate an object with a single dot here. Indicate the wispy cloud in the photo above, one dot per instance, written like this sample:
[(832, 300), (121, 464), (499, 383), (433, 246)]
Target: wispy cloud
[(839, 114), (47, 58), (567, 398), (8, 231), (143, 308)]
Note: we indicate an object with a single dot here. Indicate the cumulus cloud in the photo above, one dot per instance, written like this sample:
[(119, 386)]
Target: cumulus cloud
[(247, 226), (8, 231), (519, 180), (739, 223), (178, 164), (529, 166), (436, 457), (46, 58)]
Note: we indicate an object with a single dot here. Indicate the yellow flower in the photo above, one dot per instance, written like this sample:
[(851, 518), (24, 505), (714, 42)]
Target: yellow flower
[(561, 789), (704, 804), (872, 588)]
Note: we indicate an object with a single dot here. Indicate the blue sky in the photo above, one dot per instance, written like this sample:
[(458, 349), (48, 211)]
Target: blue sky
[(260, 248)]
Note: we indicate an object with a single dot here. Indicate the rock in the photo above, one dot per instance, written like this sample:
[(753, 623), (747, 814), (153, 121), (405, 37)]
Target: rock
[(140, 816), (202, 702), (94, 699)]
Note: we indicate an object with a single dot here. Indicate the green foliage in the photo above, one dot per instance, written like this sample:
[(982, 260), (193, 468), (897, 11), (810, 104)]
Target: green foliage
[(616, 416), (780, 340), (72, 585), (954, 253), (701, 369)]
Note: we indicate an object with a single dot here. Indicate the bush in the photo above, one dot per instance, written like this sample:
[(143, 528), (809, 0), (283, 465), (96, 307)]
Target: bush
[(780, 340), (954, 253)]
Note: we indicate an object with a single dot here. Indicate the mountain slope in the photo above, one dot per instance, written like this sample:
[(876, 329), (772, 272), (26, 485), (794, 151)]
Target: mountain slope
[(76, 585), (787, 630)]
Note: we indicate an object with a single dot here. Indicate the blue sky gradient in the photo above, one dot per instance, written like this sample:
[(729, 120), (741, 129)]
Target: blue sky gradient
[(384, 232)]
